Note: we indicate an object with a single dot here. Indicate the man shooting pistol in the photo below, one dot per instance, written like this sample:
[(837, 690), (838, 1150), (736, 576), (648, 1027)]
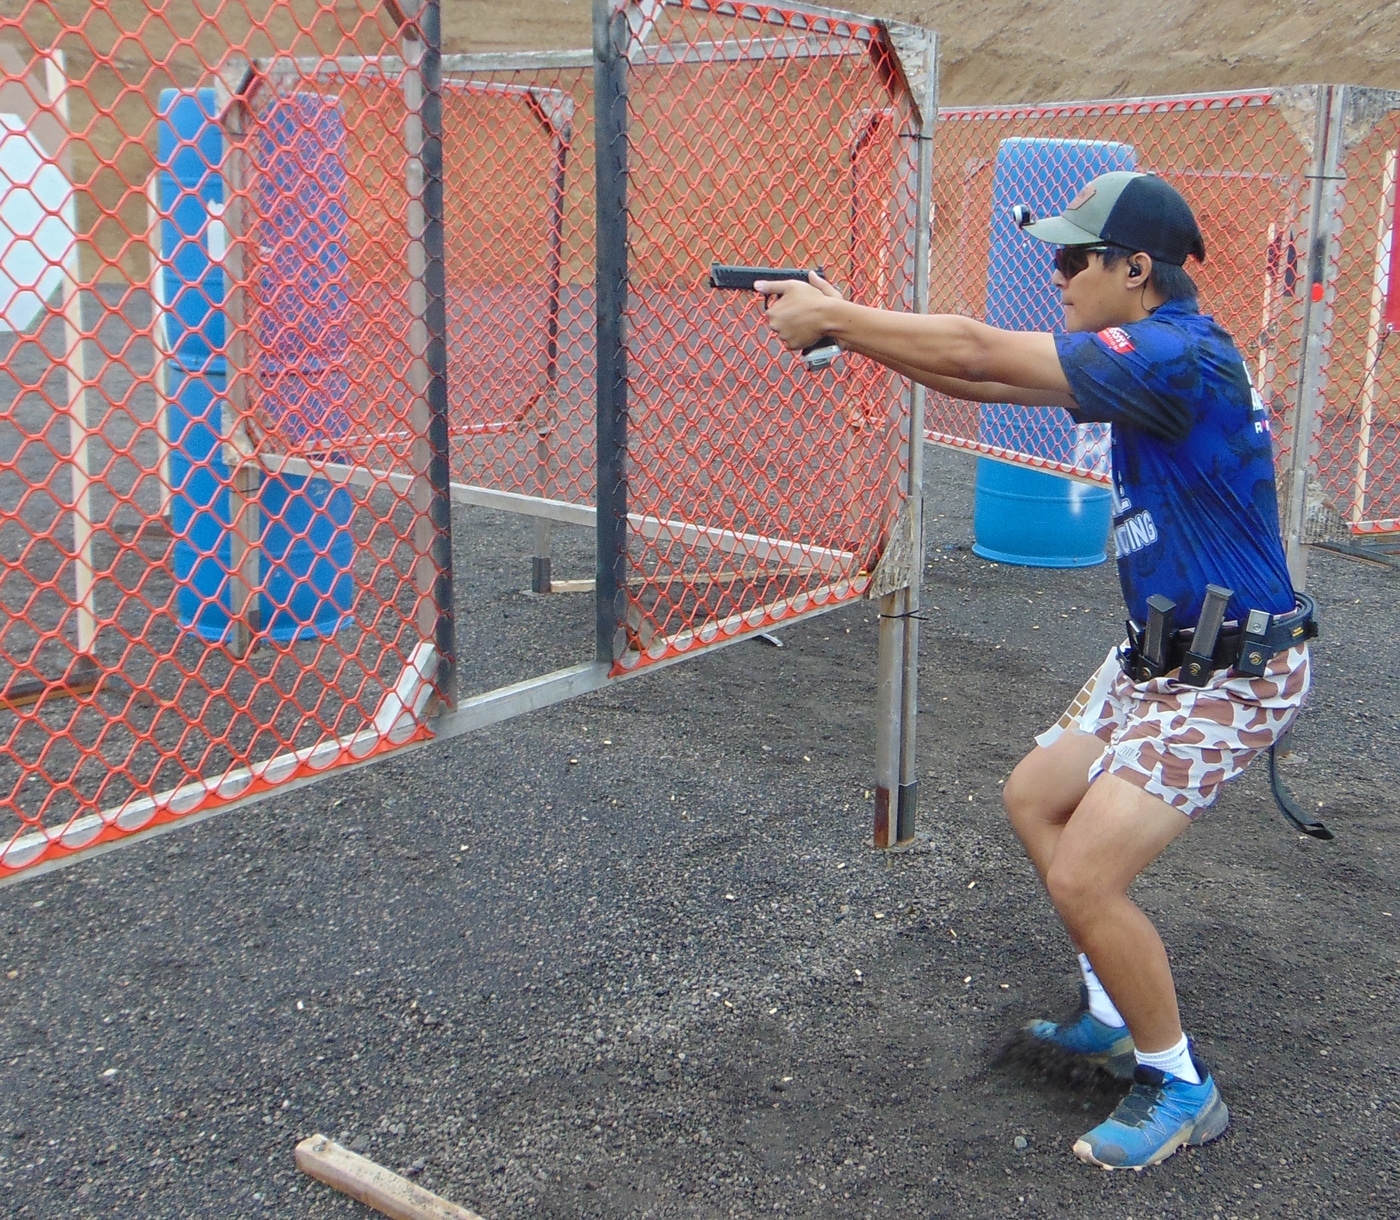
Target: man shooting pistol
[(819, 355), (1216, 665)]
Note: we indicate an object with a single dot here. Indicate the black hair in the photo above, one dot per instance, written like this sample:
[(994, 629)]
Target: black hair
[(1170, 282)]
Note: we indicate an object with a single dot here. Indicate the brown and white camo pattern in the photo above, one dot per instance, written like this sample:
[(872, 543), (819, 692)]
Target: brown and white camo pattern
[(1178, 742)]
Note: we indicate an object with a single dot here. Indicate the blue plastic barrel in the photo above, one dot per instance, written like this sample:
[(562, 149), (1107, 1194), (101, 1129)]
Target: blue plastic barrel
[(190, 193), (306, 548), (1021, 515), (1038, 520), (199, 507)]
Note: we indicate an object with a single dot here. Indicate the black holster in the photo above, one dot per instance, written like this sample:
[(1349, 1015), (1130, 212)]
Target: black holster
[(1245, 648)]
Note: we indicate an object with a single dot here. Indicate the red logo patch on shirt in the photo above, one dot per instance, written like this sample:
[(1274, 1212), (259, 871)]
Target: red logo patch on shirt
[(1117, 340)]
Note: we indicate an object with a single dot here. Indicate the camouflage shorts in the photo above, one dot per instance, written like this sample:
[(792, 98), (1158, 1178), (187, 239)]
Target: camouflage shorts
[(1180, 742)]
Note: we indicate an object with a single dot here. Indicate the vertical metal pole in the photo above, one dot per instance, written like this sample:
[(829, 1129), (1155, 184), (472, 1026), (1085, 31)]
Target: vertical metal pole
[(558, 123), (428, 301), (891, 639), (1375, 334), (907, 822), (889, 702), (1323, 224), (908, 62), (541, 563), (80, 389), (239, 453), (610, 42), (924, 84)]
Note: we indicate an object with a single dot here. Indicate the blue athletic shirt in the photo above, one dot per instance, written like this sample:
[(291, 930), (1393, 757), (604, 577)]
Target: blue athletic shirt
[(1193, 466)]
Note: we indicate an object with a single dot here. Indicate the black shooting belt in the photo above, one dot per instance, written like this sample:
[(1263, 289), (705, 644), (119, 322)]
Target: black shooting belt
[(1244, 648), (1236, 647)]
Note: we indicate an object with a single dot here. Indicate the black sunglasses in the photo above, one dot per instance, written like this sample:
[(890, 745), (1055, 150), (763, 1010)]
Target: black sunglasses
[(1071, 260)]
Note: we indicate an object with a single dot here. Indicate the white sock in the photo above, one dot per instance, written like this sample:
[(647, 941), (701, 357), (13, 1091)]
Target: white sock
[(1100, 1005), (1175, 1061)]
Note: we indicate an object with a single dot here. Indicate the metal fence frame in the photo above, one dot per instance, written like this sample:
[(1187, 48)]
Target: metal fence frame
[(424, 705)]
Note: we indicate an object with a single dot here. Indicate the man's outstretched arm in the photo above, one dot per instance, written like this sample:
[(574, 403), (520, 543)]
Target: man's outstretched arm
[(946, 352), (984, 391)]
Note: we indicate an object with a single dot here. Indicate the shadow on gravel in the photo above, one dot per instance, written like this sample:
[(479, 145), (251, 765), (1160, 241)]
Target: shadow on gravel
[(1036, 1062)]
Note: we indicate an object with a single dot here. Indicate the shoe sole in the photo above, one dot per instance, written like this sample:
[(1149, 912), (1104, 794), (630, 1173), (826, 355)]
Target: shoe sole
[(1120, 1066), (1209, 1126)]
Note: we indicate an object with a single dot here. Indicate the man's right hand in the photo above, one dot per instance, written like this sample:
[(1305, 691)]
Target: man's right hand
[(798, 313)]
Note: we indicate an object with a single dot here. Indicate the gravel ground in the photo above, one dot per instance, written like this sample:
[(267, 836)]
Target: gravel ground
[(632, 956)]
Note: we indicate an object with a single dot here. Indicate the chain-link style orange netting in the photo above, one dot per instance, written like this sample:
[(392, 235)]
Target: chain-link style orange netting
[(238, 403), (755, 487), (204, 328), (518, 235), (1287, 259), (1356, 437)]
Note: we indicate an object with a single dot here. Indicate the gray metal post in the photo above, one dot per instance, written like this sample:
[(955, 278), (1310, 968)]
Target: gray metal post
[(889, 703), (423, 58), (1324, 221), (245, 477), (610, 42), (917, 50), (914, 72), (555, 112)]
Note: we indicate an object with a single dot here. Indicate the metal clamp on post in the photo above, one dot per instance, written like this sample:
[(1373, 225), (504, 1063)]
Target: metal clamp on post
[(1199, 662)]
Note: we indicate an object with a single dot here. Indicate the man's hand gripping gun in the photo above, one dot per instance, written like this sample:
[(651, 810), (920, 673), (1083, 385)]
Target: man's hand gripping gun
[(742, 279)]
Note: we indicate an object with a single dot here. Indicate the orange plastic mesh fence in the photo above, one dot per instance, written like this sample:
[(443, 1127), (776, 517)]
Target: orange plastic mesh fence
[(757, 488), (517, 175), (1249, 164), (223, 476), (1356, 461), (206, 325)]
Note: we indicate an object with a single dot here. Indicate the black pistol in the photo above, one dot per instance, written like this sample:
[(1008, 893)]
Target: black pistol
[(1199, 662), (742, 279)]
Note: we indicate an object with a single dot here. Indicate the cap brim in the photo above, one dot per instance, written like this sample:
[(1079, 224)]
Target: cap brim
[(1060, 232)]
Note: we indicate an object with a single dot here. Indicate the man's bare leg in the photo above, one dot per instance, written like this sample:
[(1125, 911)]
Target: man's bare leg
[(1041, 796), (1045, 789), (1116, 831)]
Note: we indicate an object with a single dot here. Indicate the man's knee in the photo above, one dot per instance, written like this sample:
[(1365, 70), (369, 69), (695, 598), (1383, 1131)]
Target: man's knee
[(1019, 795), (1075, 891), (1048, 783)]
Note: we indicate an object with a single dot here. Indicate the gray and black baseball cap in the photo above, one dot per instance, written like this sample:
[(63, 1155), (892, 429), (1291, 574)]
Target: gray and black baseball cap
[(1136, 211)]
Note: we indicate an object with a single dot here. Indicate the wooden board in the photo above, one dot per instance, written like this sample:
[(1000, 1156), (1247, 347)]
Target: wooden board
[(372, 1184)]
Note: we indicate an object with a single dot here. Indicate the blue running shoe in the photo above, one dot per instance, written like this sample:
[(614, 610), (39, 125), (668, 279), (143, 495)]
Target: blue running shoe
[(1089, 1039), (1159, 1115)]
